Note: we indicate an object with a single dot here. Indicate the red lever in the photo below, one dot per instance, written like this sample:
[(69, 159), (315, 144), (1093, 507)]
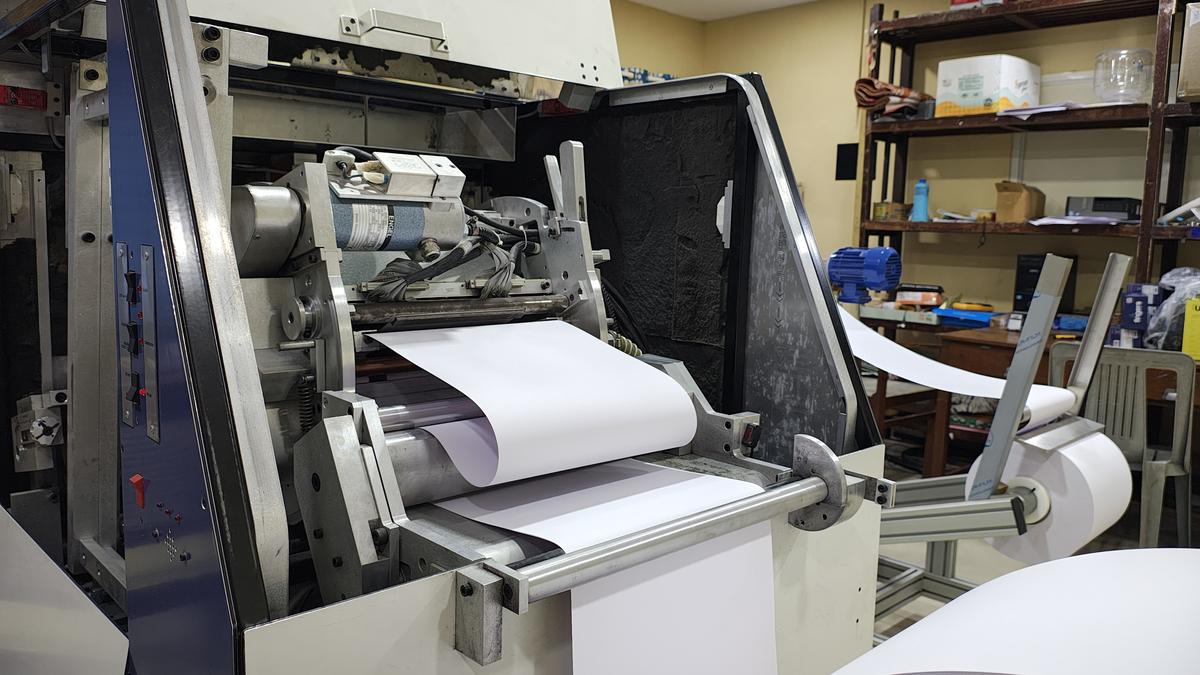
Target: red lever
[(139, 489)]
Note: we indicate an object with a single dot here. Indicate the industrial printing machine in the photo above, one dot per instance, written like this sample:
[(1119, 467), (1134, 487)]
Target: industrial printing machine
[(227, 461)]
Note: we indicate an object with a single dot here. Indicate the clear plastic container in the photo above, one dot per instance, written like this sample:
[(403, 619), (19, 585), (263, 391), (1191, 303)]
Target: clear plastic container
[(1123, 75)]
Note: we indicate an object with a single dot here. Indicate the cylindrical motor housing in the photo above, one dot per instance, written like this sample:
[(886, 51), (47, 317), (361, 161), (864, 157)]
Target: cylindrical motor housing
[(379, 225), (265, 221)]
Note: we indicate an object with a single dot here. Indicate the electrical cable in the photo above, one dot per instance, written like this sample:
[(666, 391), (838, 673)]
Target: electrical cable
[(400, 273), (359, 154), (500, 283), (620, 310), (53, 137), (519, 231)]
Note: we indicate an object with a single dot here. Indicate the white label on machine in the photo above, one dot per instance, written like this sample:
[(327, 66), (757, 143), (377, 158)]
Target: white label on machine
[(371, 226)]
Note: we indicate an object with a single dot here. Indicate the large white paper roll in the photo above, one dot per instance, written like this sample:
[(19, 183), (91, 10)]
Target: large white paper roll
[(1110, 613), (1089, 485), (554, 397), (1045, 404)]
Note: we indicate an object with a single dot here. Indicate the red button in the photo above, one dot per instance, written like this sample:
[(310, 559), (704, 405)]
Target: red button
[(139, 489)]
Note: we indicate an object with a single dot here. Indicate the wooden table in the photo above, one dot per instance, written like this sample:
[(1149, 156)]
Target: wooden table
[(989, 351)]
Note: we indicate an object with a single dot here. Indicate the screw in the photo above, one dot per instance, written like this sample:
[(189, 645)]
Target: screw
[(466, 590), (211, 54), (91, 74), (379, 535), (211, 34), (337, 561), (882, 488), (154, 533), (185, 556), (318, 533), (881, 500)]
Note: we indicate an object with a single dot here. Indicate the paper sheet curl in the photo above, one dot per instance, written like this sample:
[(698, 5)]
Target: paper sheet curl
[(1044, 404), (554, 397)]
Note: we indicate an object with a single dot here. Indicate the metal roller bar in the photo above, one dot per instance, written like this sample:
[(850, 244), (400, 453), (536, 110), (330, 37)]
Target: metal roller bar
[(450, 313), (387, 365), (424, 471), (408, 416), (565, 572)]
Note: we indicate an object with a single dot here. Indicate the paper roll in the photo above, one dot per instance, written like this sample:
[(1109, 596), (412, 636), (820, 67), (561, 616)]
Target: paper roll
[(1079, 615), (1045, 404), (1089, 485)]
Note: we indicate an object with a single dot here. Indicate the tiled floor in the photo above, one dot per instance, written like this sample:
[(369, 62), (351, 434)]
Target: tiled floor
[(978, 562)]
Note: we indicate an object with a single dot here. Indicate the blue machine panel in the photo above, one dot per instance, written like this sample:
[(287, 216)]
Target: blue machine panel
[(181, 510)]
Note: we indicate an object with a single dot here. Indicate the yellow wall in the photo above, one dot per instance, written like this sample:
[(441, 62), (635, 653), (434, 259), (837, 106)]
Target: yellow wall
[(809, 56), (657, 41)]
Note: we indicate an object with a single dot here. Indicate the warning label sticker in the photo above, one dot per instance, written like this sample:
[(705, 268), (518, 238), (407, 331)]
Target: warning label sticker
[(371, 227)]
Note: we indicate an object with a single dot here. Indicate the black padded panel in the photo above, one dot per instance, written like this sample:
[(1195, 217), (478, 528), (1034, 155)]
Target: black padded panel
[(654, 179)]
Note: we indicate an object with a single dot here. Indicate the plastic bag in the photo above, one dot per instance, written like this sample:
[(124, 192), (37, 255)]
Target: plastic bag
[(1166, 328), (1179, 277)]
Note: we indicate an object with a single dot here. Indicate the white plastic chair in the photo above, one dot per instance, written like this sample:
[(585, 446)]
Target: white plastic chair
[(1117, 399)]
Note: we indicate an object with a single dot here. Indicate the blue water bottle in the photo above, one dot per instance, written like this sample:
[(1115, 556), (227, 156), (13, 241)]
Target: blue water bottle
[(920, 210)]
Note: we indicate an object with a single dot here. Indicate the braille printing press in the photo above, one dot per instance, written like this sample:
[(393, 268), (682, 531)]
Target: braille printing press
[(235, 470)]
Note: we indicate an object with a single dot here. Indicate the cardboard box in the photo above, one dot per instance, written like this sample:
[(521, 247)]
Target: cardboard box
[(927, 318), (920, 298), (882, 313), (1018, 202), (1189, 56), (979, 85)]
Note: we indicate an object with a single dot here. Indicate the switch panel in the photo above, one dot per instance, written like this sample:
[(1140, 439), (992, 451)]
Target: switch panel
[(149, 338), (125, 300), (134, 267)]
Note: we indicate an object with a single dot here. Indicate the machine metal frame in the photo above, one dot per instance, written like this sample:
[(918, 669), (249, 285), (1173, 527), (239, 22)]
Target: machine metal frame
[(933, 510), (197, 456)]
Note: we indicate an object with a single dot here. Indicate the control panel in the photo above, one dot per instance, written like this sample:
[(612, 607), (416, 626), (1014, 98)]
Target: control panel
[(137, 332)]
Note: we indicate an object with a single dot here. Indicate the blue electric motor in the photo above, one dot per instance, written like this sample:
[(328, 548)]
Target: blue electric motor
[(857, 270)]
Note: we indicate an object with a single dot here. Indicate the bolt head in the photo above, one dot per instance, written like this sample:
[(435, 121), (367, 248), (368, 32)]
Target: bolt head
[(466, 590)]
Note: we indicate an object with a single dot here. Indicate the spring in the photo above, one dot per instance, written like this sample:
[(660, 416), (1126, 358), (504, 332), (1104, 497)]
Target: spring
[(624, 344), (308, 402)]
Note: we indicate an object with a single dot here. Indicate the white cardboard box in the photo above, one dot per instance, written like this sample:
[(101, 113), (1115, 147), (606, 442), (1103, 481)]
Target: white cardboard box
[(980, 85)]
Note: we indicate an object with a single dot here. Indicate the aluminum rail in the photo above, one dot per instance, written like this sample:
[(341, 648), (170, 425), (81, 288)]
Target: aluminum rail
[(1108, 297), (572, 569), (412, 415), (951, 521)]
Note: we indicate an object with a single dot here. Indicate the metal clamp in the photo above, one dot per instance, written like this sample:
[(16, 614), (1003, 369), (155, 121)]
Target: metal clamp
[(812, 458)]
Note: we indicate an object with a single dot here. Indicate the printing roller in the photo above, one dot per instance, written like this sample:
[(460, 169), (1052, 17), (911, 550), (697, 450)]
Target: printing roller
[(390, 316)]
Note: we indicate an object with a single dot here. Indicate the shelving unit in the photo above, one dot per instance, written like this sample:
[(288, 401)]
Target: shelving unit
[(904, 34)]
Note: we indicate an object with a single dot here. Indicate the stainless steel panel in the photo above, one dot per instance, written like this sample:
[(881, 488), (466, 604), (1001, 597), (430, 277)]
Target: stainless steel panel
[(149, 344), (48, 625)]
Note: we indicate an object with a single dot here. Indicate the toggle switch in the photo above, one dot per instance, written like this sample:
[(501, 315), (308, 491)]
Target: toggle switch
[(750, 435), (135, 392), (131, 335), (132, 289)]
